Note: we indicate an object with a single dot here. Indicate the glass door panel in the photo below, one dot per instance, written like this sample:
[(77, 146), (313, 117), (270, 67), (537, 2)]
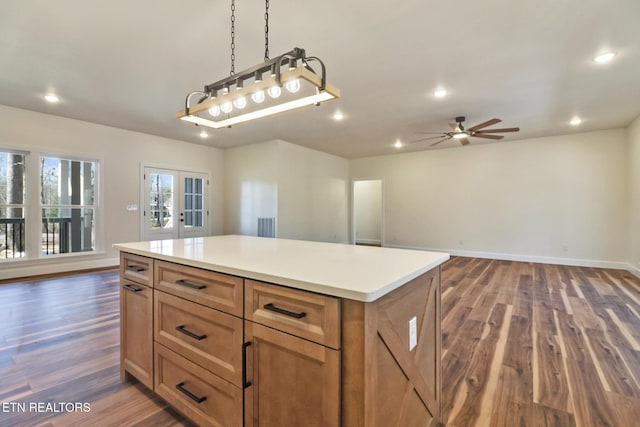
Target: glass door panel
[(193, 213), (159, 206)]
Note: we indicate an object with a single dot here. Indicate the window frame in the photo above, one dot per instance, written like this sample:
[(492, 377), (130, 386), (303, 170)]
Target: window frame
[(24, 205), (33, 207)]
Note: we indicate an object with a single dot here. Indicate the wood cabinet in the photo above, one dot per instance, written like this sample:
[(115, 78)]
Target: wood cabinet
[(232, 351), (305, 314), (136, 317), (198, 333), (291, 381), (197, 393)]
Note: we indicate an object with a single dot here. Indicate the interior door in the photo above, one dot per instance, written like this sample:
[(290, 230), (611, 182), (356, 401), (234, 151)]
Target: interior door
[(368, 212), (175, 204)]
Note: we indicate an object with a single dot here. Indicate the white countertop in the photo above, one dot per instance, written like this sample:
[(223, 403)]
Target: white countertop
[(360, 273)]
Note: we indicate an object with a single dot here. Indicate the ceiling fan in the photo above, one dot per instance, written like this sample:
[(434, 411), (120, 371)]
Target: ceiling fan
[(460, 133)]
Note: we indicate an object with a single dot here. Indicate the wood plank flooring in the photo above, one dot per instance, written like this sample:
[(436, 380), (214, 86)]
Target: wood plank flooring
[(523, 345), (60, 345), (539, 345)]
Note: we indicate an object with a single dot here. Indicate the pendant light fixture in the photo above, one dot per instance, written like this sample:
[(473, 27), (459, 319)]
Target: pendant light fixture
[(279, 84)]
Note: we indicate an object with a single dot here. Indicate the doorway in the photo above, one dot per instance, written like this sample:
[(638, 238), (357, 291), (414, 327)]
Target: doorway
[(368, 212), (175, 204)]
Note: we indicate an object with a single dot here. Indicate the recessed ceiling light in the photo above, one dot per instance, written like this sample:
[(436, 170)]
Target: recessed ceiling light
[(51, 97), (204, 134), (604, 57), (338, 116), (575, 121), (398, 144), (440, 93)]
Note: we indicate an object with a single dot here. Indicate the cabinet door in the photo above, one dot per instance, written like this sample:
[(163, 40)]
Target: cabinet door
[(136, 332), (294, 382)]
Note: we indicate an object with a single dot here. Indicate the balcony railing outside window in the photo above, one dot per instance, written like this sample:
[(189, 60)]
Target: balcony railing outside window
[(56, 237)]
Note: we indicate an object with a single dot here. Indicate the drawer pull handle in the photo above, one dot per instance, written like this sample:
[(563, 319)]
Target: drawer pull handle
[(189, 333), (131, 288), (245, 383), (189, 394), (279, 310), (134, 268), (189, 285)]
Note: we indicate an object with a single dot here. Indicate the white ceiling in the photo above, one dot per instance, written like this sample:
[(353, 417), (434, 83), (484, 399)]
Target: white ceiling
[(129, 64)]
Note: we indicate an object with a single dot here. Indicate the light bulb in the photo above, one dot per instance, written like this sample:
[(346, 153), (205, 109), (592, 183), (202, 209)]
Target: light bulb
[(605, 57), (293, 86), (460, 135), (240, 102), (274, 91), (51, 97), (258, 97), (226, 107), (440, 93), (214, 111)]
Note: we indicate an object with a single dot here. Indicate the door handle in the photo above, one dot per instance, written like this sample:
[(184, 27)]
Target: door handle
[(245, 383)]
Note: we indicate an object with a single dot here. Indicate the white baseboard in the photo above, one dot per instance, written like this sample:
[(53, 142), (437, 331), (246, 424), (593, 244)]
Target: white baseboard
[(526, 258), (633, 270), (28, 269)]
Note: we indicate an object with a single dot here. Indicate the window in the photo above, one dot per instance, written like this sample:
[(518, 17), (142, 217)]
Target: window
[(12, 204), (48, 205), (193, 208), (68, 205)]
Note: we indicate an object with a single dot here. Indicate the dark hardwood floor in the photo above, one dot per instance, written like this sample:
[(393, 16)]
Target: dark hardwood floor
[(523, 345)]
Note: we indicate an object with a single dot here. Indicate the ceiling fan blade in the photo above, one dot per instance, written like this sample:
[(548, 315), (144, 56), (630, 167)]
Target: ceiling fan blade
[(438, 142), (499, 130), (426, 139), (484, 125), (464, 141), (453, 126), (485, 135)]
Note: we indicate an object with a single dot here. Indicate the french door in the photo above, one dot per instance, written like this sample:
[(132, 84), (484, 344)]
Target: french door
[(175, 204)]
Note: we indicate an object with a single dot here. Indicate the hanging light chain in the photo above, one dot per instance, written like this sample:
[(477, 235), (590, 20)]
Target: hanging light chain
[(266, 30), (233, 37)]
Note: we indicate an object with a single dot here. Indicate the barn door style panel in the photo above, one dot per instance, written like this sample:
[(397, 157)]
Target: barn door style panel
[(401, 381)]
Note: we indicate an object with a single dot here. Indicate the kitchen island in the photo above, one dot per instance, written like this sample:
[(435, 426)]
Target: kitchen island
[(240, 330)]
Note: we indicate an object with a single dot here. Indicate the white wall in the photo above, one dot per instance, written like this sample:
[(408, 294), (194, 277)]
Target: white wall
[(312, 194), (251, 186), (367, 211), (121, 154), (557, 199), (306, 191), (633, 252)]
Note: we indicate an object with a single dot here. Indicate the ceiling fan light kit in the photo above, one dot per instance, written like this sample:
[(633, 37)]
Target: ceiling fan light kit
[(461, 134), (240, 97)]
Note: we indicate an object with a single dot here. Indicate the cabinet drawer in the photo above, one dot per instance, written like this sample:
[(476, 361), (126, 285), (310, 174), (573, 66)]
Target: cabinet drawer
[(208, 337), (136, 268), (197, 393), (305, 314), (216, 290)]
